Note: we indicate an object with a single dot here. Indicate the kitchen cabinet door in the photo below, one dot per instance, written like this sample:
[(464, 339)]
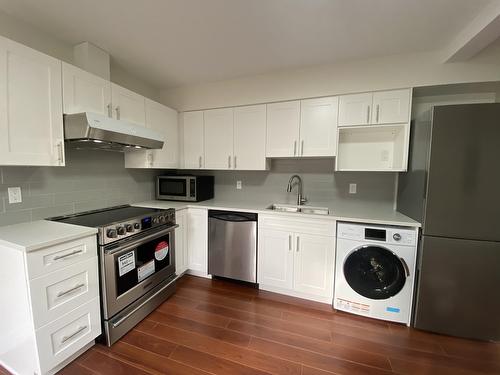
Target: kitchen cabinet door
[(127, 105), (275, 258), (197, 241), (391, 106), (318, 126), (181, 254), (355, 109), (163, 120), (283, 123), (31, 120), (83, 91), (192, 140), (314, 265), (219, 138), (250, 138)]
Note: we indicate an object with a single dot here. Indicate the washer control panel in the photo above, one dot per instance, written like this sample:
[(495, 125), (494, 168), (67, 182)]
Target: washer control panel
[(377, 233)]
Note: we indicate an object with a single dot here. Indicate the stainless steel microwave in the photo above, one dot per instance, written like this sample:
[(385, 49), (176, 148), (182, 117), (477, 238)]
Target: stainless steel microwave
[(185, 188)]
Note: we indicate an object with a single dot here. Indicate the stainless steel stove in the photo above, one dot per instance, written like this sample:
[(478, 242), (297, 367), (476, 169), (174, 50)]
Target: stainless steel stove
[(137, 262)]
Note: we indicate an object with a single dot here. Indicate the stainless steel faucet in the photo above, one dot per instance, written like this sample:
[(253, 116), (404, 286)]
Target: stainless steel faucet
[(300, 199)]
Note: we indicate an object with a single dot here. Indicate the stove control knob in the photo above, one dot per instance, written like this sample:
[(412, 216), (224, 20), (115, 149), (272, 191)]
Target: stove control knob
[(120, 230), (129, 227), (137, 226), (162, 219), (155, 220), (396, 236), (111, 233)]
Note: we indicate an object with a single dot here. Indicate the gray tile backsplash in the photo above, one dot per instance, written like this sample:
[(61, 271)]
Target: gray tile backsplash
[(320, 183), (97, 179), (90, 180)]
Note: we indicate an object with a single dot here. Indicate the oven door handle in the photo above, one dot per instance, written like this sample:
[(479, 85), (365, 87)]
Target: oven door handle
[(140, 241), (137, 308)]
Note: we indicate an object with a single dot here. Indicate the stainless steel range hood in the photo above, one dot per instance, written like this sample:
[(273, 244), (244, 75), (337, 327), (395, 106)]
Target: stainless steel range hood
[(89, 130)]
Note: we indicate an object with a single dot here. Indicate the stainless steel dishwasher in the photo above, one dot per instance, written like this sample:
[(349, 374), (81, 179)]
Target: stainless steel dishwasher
[(232, 245)]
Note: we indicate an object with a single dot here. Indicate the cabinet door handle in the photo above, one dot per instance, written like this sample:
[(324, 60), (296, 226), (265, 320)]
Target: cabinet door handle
[(199, 162), (117, 109), (150, 159), (229, 161), (289, 242), (298, 244), (66, 338), (60, 294), (378, 112), (59, 257), (302, 148), (109, 110), (368, 114), (60, 152), (234, 161), (294, 148)]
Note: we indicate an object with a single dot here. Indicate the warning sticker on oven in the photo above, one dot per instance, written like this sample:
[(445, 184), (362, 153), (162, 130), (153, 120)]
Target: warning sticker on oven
[(126, 263), (161, 250), (145, 270)]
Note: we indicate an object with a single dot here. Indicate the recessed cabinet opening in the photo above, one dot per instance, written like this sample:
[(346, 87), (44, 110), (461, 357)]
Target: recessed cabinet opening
[(373, 148)]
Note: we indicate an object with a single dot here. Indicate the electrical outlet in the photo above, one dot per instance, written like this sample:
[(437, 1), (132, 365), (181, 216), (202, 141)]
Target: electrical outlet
[(352, 188), (384, 156), (238, 185), (15, 195)]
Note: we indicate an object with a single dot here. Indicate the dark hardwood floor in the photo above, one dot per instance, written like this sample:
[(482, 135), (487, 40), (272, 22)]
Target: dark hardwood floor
[(216, 327)]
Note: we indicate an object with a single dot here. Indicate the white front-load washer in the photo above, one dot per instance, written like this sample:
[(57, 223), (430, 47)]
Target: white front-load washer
[(375, 270)]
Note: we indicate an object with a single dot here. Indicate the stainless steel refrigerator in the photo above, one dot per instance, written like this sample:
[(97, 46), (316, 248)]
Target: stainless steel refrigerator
[(453, 188)]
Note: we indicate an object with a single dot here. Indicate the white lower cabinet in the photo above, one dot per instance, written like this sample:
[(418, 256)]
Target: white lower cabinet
[(181, 255), (297, 257), (53, 310), (275, 258), (197, 241)]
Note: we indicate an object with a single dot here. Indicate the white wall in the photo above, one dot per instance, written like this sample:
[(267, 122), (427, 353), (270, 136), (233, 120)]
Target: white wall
[(30, 36), (423, 69)]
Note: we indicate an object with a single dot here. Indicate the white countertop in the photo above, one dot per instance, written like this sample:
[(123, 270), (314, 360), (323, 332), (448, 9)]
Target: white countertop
[(40, 234), (372, 213)]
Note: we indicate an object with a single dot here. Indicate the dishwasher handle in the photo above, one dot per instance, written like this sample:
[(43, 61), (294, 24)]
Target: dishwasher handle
[(232, 216)]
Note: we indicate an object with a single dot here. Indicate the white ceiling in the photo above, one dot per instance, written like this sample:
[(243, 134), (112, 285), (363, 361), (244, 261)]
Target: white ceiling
[(170, 43)]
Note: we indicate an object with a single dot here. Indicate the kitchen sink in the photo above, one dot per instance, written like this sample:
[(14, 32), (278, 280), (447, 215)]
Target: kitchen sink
[(299, 209)]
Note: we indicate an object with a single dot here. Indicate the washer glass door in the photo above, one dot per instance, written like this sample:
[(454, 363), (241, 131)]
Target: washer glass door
[(375, 272)]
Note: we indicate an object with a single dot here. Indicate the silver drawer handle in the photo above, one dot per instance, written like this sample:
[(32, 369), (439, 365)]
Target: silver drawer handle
[(199, 162), (59, 257), (294, 148), (368, 115), (289, 242), (109, 110), (66, 338), (117, 109), (298, 244), (60, 294), (229, 161)]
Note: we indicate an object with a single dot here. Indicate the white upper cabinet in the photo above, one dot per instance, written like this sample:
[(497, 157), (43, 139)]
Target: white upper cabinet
[(83, 91), (381, 107), (31, 121), (250, 138), (127, 105), (164, 120), (318, 126), (283, 123), (391, 106), (193, 153), (355, 109), (219, 138)]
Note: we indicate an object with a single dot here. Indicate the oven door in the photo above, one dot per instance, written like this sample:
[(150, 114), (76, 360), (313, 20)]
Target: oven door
[(135, 267), (174, 188)]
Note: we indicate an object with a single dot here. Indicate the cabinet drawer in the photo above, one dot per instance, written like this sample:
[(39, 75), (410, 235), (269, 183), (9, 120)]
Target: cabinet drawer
[(56, 257), (324, 227), (60, 292), (62, 338)]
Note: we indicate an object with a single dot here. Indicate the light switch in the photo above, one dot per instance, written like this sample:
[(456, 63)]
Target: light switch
[(238, 185), (15, 195), (352, 188)]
